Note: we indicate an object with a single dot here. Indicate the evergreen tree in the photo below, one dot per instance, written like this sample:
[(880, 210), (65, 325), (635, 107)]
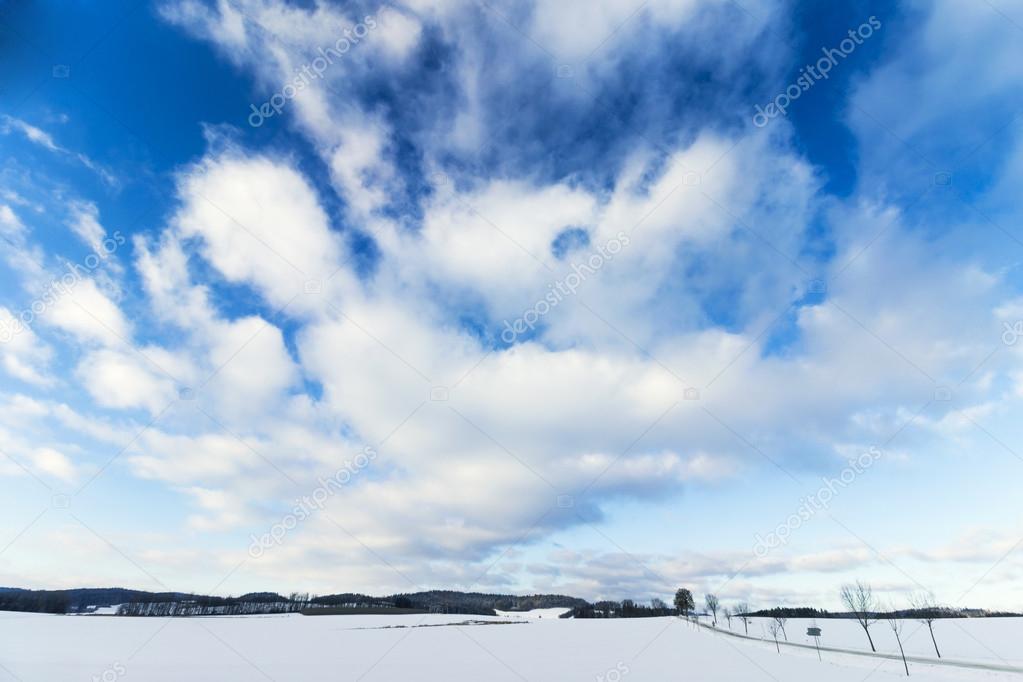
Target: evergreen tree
[(684, 601)]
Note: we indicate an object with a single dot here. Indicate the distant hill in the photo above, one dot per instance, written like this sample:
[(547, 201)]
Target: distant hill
[(140, 602), (69, 601), (446, 601)]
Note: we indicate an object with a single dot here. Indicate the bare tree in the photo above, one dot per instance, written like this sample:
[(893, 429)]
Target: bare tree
[(742, 610), (927, 611), (859, 599), (712, 605), (780, 622), (895, 623), (727, 613), (774, 628)]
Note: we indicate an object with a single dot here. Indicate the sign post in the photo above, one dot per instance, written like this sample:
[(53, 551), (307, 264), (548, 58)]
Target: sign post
[(816, 634)]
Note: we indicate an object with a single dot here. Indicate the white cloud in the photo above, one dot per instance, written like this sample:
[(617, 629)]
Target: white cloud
[(398, 32), (357, 166), (163, 269), (223, 507), (24, 355), (32, 133), (53, 463), (10, 225), (122, 379), (252, 365), (260, 223), (85, 224), (25, 259), (44, 139), (89, 314)]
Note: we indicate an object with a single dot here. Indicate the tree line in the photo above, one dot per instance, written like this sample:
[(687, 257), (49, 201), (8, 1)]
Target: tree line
[(627, 608), (37, 601)]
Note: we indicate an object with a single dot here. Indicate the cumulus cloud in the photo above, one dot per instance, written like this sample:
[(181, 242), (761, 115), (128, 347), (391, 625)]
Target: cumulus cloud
[(122, 379), (90, 315), (260, 223)]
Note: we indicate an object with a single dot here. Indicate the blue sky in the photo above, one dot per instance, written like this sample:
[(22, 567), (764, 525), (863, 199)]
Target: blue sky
[(601, 327)]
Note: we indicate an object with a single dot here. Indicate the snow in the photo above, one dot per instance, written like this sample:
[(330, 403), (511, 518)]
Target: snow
[(100, 610), (38, 647), (534, 614)]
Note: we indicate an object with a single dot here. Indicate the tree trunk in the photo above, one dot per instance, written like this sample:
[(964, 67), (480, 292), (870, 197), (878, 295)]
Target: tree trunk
[(930, 626), (899, 640), (869, 638)]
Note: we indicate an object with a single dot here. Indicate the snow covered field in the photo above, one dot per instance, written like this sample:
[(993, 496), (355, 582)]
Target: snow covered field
[(293, 647)]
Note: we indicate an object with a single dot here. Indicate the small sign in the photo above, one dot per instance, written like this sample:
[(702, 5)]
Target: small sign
[(816, 634)]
